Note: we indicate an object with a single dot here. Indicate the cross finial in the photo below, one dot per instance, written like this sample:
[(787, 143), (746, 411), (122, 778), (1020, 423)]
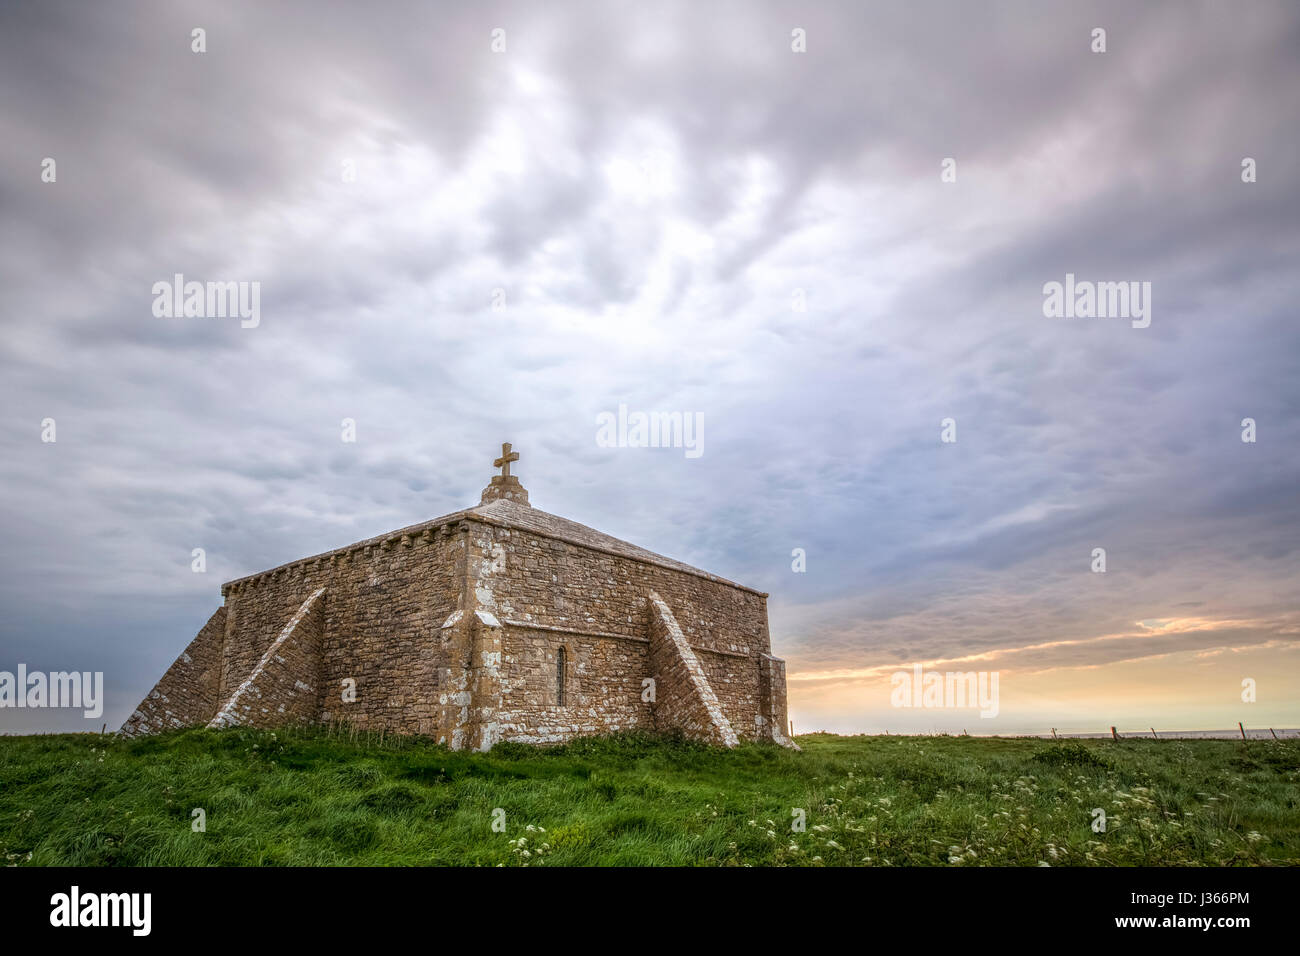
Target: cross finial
[(507, 456)]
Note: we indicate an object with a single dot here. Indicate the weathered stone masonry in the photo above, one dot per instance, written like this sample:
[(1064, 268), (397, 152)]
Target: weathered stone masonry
[(452, 628)]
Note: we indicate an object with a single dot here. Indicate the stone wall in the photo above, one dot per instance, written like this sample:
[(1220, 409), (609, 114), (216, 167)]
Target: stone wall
[(557, 583), (734, 679), (603, 690), (284, 686), (385, 613), (188, 692), (774, 717), (258, 612), (384, 605), (574, 592)]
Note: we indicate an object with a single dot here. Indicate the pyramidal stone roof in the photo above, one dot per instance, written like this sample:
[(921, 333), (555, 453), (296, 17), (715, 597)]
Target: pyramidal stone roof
[(505, 503)]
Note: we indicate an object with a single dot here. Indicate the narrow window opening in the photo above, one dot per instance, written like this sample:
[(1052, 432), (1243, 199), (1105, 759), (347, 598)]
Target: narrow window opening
[(561, 672)]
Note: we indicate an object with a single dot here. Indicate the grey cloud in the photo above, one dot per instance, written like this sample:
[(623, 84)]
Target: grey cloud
[(815, 171)]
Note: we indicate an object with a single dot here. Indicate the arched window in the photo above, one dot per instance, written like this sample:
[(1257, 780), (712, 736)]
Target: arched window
[(561, 672)]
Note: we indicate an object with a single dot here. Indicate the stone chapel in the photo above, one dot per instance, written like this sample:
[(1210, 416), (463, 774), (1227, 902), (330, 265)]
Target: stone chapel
[(496, 623)]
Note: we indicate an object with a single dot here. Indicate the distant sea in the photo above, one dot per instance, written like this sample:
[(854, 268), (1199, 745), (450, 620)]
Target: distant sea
[(1234, 734)]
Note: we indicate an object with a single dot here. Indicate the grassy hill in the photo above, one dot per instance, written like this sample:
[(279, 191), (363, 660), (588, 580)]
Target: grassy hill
[(310, 797)]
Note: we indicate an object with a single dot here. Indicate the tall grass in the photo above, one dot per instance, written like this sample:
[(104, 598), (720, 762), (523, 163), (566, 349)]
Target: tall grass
[(318, 797)]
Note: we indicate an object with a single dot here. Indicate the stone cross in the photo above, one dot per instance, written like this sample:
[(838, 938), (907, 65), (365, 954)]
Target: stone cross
[(507, 456)]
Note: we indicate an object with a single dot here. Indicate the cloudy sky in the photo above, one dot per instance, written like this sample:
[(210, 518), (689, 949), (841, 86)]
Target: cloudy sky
[(463, 237)]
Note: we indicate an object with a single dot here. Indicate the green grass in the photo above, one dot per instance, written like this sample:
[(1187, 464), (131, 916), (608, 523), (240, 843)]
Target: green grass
[(307, 797)]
